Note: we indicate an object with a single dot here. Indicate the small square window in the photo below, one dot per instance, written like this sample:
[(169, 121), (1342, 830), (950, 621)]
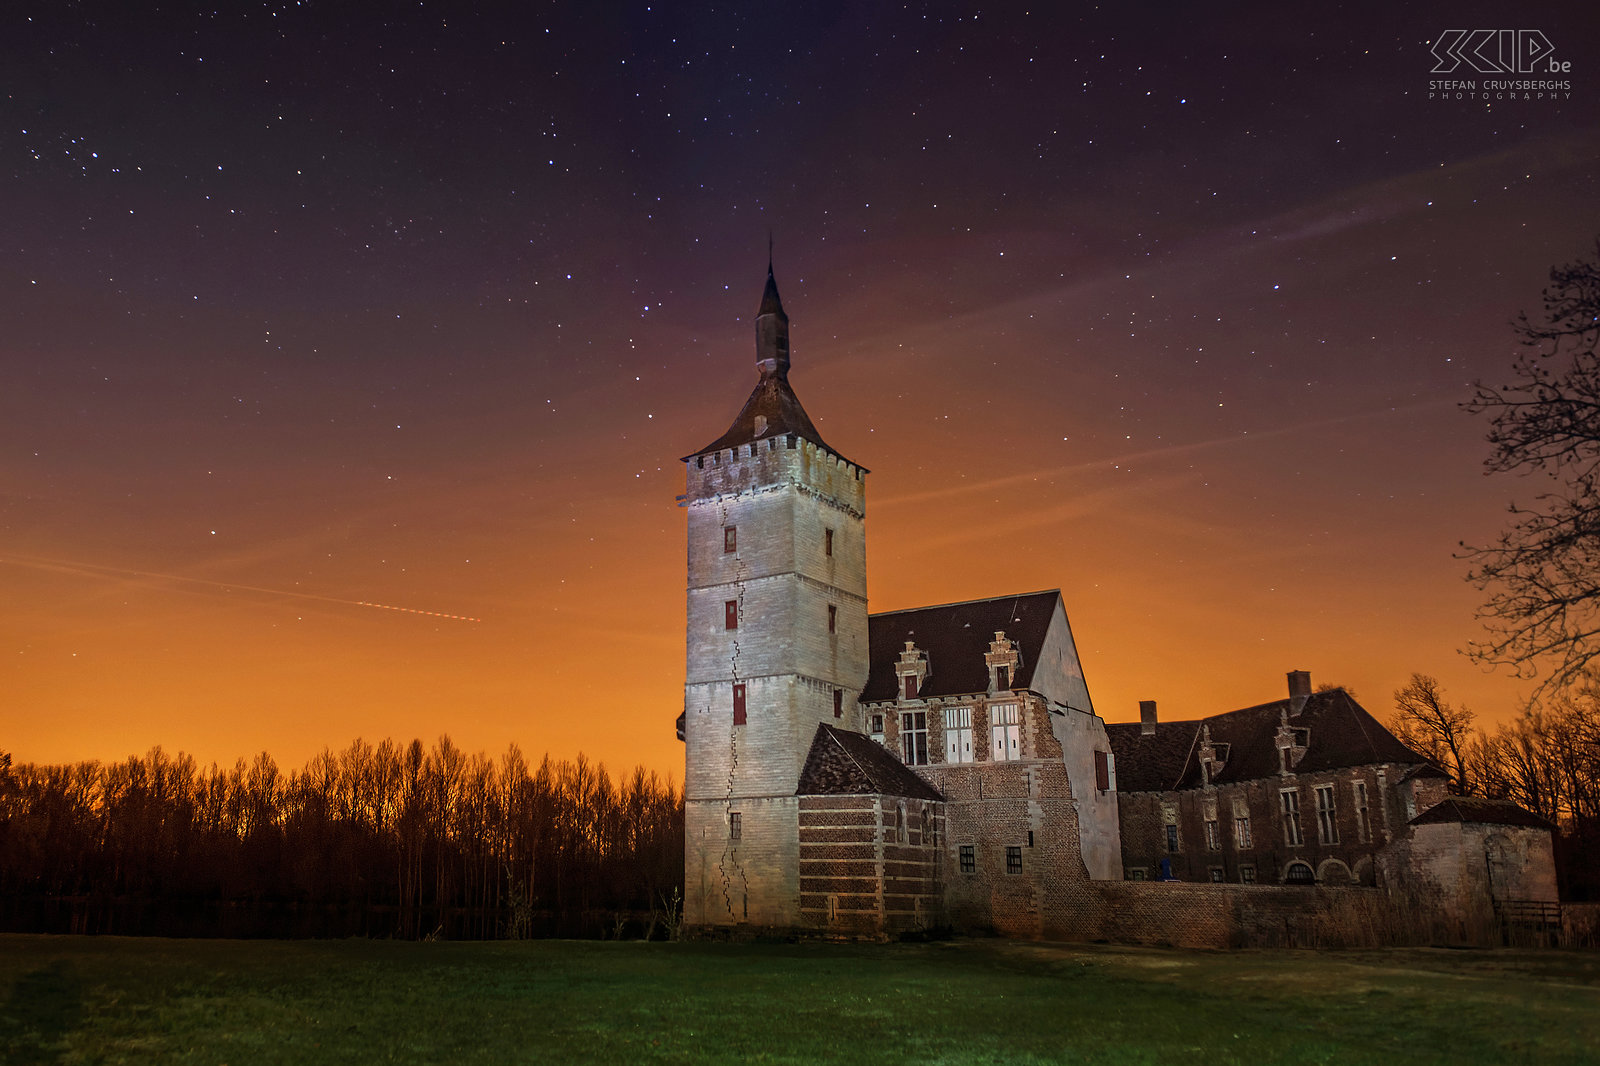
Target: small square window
[(827, 542), (969, 859), (838, 703), (833, 618), (738, 705), (1217, 875), (735, 825), (1138, 873), (730, 538), (1013, 860), (730, 614), (1247, 875)]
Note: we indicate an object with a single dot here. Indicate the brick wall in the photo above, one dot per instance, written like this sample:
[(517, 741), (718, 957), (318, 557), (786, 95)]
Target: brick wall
[(1351, 860), (858, 877)]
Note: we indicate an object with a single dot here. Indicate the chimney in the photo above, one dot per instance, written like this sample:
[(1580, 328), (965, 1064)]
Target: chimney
[(1299, 690), (1147, 718)]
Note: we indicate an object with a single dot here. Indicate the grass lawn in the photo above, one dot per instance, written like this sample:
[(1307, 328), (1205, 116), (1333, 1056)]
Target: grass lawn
[(93, 1000)]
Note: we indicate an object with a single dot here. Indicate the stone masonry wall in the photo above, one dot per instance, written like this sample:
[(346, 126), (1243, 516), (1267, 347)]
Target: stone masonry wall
[(779, 497)]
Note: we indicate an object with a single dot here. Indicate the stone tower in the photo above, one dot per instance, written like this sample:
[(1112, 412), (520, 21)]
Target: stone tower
[(776, 638)]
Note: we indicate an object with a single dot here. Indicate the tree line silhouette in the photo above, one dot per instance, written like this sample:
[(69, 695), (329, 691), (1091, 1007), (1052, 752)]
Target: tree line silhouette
[(387, 840)]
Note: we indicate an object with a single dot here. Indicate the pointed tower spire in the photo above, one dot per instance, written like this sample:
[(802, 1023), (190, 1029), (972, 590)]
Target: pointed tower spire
[(773, 410), (772, 329)]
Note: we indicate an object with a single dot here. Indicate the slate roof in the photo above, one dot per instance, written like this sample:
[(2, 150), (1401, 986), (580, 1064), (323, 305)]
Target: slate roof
[(1482, 811), (775, 401), (1341, 734), (844, 763), (956, 637), (1151, 763)]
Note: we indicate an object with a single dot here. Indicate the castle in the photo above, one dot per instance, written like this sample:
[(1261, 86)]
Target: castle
[(865, 775)]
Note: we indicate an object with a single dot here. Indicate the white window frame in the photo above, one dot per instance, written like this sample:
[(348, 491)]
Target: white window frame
[(1005, 732), (958, 735)]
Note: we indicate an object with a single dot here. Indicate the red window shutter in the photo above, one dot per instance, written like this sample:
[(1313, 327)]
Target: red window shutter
[(911, 686), (730, 615), (1102, 771), (738, 705)]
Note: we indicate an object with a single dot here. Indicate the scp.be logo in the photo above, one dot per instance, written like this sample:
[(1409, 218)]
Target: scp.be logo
[(1497, 52)]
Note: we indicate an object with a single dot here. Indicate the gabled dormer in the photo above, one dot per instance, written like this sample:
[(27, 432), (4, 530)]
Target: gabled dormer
[(1002, 659), (912, 669)]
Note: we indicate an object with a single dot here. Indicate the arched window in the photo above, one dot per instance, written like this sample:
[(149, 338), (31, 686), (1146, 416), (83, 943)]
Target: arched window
[(1299, 874)]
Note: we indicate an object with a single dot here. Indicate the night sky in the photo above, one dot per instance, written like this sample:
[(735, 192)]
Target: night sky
[(348, 357)]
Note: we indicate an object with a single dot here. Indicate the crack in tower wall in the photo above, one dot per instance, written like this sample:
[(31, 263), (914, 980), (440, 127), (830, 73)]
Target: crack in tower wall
[(730, 854)]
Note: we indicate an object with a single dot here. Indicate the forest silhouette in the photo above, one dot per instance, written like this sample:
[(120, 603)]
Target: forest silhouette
[(381, 841)]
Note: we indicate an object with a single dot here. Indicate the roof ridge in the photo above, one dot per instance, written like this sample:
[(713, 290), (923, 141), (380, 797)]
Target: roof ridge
[(963, 603)]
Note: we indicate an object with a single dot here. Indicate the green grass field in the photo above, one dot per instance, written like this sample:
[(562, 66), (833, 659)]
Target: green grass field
[(109, 1000)]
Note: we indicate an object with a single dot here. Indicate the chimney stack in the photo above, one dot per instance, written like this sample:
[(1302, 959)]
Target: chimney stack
[(1299, 690), (1147, 718)]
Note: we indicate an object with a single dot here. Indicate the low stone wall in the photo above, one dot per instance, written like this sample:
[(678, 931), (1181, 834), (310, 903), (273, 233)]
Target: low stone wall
[(1171, 914)]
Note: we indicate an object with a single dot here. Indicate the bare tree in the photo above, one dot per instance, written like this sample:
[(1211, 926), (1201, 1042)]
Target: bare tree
[(1542, 575), (1426, 722)]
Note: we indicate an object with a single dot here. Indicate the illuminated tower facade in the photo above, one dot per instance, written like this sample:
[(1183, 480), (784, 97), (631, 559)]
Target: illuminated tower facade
[(776, 637)]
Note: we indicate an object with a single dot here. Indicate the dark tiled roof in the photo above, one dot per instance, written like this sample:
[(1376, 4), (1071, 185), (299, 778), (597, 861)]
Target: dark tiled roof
[(775, 401), (843, 763), (956, 637), (1483, 811), (1341, 734), (1151, 763)]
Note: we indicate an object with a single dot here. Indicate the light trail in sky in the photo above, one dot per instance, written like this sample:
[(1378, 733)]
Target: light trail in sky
[(115, 573)]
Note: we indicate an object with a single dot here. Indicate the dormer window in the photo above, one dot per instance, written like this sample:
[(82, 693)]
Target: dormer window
[(912, 669), (1002, 659)]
